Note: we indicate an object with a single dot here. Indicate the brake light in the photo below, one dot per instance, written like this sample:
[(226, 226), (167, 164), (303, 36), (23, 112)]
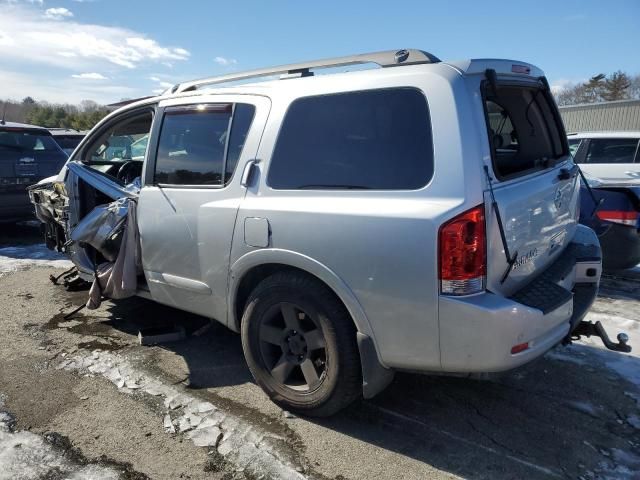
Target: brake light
[(618, 216), (462, 253)]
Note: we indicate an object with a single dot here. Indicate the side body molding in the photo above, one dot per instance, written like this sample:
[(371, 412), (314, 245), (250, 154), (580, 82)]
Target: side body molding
[(375, 375)]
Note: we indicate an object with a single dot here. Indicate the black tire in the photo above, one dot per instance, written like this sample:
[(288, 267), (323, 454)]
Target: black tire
[(281, 327)]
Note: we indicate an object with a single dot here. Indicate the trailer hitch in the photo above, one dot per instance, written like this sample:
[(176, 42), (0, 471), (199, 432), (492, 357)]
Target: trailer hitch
[(589, 329)]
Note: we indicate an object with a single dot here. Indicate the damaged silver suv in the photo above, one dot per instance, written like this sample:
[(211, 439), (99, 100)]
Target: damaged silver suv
[(421, 216)]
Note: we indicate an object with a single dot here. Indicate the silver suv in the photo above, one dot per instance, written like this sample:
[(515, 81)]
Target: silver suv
[(421, 216)]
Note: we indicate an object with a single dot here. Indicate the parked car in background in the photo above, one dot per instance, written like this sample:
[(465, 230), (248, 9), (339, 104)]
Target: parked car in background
[(611, 164), (27, 154), (67, 138), (422, 216)]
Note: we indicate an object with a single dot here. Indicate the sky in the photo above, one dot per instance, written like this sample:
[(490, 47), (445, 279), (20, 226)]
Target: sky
[(108, 50)]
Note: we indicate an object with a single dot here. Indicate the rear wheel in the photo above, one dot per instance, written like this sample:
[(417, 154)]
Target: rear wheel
[(300, 345)]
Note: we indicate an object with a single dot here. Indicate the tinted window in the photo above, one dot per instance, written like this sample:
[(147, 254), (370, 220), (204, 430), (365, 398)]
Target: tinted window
[(68, 143), (611, 150), (25, 141), (573, 146), (242, 118), (378, 139), (193, 143), (524, 133)]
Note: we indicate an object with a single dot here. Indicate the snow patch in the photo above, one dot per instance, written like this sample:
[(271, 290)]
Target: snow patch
[(25, 455), (247, 447), (24, 257), (591, 351)]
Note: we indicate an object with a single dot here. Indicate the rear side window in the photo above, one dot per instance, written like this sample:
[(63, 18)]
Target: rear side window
[(376, 139), (200, 144), (25, 141), (525, 133), (611, 150)]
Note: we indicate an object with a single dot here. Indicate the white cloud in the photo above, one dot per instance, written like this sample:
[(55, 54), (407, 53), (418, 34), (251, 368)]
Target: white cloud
[(154, 79), (18, 85), (225, 62), (90, 76), (561, 84), (6, 40), (166, 85), (58, 13), (76, 45)]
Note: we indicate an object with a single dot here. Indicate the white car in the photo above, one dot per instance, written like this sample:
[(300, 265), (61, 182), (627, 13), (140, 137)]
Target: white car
[(608, 157)]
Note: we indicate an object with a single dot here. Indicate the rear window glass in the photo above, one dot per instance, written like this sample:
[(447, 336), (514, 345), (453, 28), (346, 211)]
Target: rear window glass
[(68, 142), (524, 133), (376, 139), (25, 141), (611, 150)]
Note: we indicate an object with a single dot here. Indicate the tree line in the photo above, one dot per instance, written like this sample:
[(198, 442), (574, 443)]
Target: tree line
[(43, 114), (601, 88)]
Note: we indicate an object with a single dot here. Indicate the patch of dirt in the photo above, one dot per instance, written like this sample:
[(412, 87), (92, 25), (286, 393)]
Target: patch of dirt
[(75, 455)]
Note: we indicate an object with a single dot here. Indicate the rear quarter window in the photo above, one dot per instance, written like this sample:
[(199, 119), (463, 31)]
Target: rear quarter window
[(375, 139)]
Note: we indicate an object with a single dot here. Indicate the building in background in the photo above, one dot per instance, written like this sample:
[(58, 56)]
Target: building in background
[(593, 117)]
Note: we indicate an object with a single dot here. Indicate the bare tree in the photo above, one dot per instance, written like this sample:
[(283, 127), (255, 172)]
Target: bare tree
[(600, 88)]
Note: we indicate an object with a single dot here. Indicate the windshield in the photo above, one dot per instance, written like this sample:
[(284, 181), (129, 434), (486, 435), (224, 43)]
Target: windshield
[(524, 129), (26, 141)]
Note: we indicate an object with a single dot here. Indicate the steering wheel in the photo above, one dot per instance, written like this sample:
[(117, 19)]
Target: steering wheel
[(128, 171)]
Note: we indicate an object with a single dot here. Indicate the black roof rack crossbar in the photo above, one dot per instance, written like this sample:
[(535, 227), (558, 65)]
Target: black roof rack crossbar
[(389, 58)]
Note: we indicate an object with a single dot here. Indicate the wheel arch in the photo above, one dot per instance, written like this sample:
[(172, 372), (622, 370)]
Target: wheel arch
[(253, 267)]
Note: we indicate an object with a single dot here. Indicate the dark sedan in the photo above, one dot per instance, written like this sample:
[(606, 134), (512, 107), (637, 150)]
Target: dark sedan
[(27, 155)]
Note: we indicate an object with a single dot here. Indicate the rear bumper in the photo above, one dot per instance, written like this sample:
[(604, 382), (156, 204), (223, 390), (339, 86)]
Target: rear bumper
[(478, 332)]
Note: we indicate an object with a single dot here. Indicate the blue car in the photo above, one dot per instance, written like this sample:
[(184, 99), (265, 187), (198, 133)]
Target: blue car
[(617, 223), (27, 155)]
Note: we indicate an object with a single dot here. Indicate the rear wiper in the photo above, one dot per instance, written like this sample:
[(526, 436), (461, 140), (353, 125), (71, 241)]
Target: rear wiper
[(333, 186), (511, 260)]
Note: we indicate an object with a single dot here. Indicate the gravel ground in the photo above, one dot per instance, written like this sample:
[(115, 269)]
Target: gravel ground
[(573, 414)]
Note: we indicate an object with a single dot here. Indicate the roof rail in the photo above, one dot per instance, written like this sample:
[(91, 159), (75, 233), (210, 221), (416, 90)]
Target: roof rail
[(389, 58)]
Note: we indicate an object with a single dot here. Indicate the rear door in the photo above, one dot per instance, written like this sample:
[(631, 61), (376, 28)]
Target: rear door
[(533, 177), (191, 195), (611, 160)]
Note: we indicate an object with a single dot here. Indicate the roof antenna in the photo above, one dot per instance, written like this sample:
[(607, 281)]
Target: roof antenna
[(4, 112)]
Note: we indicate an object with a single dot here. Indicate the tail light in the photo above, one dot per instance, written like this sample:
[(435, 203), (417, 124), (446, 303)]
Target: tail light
[(462, 253), (619, 216)]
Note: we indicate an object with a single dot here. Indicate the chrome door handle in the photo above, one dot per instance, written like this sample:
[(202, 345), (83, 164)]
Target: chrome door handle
[(247, 174)]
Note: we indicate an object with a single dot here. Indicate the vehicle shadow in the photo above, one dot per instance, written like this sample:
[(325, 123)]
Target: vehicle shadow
[(20, 233), (212, 353), (569, 414)]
